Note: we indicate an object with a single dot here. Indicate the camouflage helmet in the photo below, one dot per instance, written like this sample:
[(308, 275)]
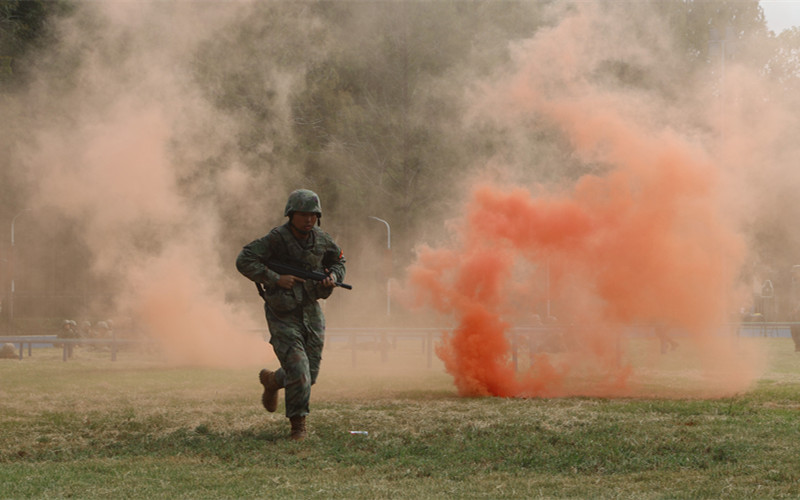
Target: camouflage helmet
[(303, 200)]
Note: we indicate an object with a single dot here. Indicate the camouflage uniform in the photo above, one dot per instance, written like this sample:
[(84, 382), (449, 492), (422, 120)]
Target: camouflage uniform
[(295, 319)]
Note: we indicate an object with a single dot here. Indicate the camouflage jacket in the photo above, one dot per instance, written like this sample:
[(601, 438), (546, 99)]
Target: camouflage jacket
[(317, 253)]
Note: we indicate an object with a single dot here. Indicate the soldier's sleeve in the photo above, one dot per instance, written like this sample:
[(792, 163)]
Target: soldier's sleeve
[(334, 260), (251, 259)]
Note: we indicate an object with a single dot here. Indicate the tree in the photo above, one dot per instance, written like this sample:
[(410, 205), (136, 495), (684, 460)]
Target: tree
[(783, 66), (379, 123), (24, 27)]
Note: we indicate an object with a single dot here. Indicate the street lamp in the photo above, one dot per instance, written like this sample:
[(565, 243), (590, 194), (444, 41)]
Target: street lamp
[(389, 256), (11, 267)]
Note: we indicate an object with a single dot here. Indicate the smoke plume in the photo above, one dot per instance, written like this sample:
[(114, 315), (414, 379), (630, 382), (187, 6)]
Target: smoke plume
[(112, 156), (647, 237), (619, 189)]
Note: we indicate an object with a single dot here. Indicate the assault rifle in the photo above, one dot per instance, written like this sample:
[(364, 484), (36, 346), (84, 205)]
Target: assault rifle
[(282, 268)]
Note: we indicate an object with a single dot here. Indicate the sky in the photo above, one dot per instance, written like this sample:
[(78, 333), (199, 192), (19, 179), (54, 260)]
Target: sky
[(781, 14)]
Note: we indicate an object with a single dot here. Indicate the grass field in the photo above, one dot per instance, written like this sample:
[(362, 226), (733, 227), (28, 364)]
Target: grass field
[(137, 428)]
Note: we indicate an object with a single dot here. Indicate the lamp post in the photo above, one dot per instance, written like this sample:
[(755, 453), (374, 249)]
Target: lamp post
[(2, 304), (11, 267), (388, 256)]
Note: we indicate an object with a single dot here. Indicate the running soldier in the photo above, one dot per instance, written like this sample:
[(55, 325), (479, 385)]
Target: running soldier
[(295, 319)]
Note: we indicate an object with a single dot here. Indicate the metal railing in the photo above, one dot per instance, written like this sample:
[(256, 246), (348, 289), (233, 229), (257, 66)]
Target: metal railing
[(385, 339), (67, 345)]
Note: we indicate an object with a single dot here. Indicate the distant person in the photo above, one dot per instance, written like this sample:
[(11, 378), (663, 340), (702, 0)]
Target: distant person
[(69, 330), (86, 329), (103, 329), (8, 352), (295, 319), (795, 328)]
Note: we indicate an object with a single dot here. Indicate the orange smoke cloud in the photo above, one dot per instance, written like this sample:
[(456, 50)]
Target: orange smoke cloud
[(645, 242), (142, 230), (114, 153), (185, 316), (618, 253)]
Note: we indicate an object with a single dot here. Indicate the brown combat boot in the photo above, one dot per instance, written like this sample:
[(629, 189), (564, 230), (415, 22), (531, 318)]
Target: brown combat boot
[(270, 397), (298, 428)]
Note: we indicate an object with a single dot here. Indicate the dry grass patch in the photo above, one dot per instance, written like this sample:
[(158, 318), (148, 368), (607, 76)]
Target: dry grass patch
[(140, 428)]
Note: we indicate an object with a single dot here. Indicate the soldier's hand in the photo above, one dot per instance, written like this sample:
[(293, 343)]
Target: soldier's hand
[(287, 281), (330, 281)]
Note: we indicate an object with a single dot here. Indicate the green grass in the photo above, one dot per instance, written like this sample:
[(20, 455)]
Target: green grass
[(136, 428)]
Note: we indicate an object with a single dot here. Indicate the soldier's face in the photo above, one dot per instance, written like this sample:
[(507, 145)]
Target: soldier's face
[(304, 221)]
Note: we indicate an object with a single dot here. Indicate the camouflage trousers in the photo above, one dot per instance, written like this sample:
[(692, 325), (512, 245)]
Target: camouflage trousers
[(297, 339)]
